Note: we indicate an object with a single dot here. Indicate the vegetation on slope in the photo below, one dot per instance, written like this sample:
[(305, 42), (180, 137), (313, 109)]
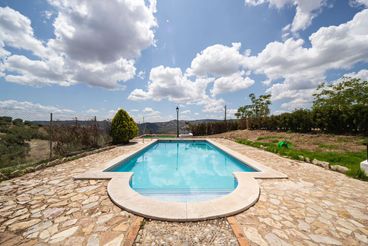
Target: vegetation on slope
[(349, 159)]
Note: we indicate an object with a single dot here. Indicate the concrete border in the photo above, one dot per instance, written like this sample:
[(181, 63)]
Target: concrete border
[(245, 195)]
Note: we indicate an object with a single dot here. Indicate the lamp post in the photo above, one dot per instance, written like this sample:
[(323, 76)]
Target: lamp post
[(177, 122)]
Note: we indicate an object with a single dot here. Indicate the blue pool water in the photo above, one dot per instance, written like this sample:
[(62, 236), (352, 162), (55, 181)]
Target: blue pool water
[(182, 170)]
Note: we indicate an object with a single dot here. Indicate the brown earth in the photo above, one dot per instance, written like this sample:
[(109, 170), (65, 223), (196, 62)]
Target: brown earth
[(39, 150), (312, 142)]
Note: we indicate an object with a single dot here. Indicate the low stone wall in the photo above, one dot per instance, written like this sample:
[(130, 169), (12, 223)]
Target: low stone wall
[(325, 165)]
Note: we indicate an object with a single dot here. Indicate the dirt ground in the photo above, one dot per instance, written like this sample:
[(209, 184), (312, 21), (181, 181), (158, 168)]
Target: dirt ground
[(39, 150), (312, 142)]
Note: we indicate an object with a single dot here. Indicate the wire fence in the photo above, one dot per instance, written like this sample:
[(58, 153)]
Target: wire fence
[(68, 137), (26, 143)]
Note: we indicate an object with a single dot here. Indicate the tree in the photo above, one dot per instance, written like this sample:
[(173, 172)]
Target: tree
[(342, 107), (258, 108), (342, 95), (123, 128)]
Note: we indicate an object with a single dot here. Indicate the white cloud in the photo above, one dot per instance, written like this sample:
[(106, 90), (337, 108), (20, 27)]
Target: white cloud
[(359, 2), (296, 103), (92, 111), (217, 60), (231, 83), (94, 43), (149, 114), (23, 70), (170, 84), (141, 74), (302, 69), (91, 31), (16, 32), (33, 111), (47, 14), (362, 74), (306, 10)]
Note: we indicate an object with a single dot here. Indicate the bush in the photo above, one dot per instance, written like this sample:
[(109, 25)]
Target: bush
[(123, 128)]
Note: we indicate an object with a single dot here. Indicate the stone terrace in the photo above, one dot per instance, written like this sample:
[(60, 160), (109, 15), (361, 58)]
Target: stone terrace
[(313, 207), (48, 206)]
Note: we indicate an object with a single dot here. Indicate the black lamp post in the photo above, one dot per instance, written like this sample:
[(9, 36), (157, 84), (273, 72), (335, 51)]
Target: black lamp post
[(177, 122)]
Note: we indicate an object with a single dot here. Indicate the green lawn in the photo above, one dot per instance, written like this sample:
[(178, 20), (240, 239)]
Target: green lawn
[(348, 159)]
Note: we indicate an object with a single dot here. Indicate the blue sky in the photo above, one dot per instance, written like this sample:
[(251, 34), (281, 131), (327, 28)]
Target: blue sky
[(84, 58)]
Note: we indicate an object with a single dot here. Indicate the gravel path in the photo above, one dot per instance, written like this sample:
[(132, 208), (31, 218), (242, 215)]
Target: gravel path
[(211, 232)]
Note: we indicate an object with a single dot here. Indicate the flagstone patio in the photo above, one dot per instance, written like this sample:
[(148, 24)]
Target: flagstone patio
[(313, 206)]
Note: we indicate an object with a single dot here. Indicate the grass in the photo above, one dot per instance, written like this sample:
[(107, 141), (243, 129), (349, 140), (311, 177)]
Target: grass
[(270, 137), (348, 159)]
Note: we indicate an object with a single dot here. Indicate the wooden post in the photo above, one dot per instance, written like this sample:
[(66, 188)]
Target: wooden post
[(144, 129), (96, 130), (225, 119), (50, 135), (225, 113)]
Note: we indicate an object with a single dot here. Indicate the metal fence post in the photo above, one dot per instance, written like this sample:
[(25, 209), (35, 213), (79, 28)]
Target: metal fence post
[(50, 135), (96, 130)]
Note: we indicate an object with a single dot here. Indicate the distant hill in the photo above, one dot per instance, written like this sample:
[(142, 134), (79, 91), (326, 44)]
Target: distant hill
[(167, 127)]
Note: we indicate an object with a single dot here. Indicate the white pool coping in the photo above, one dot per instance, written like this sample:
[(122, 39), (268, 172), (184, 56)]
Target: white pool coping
[(245, 195)]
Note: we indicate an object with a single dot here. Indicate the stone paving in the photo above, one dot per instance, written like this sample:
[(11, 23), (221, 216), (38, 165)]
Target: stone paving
[(313, 206), (49, 207)]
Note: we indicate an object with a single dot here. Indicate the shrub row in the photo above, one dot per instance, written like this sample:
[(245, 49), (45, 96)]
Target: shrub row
[(353, 120)]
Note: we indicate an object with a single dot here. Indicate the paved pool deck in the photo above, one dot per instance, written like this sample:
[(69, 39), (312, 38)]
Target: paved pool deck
[(313, 206)]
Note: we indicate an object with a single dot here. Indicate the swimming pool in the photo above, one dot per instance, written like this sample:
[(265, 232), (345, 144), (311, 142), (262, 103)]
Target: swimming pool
[(182, 170), (182, 180)]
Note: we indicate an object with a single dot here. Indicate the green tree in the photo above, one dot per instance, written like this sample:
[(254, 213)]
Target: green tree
[(342, 107), (123, 128), (342, 95), (258, 108)]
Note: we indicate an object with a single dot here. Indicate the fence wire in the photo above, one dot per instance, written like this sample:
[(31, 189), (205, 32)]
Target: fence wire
[(28, 142)]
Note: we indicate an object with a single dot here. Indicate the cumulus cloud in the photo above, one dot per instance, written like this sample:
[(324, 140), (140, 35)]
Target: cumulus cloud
[(362, 74), (217, 60), (33, 111), (302, 69), (149, 114), (292, 70), (22, 70), (93, 31), (306, 10), (233, 82), (16, 32), (219, 65), (171, 84), (296, 103), (94, 43)]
